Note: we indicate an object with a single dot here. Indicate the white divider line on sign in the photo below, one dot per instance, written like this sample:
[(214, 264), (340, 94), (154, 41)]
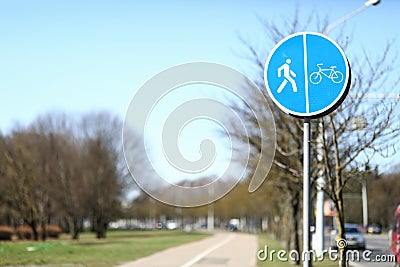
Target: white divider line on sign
[(306, 72)]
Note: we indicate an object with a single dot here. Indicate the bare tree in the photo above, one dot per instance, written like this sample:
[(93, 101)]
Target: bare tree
[(102, 150), (64, 157), (26, 177), (385, 195), (359, 129), (61, 168), (347, 145)]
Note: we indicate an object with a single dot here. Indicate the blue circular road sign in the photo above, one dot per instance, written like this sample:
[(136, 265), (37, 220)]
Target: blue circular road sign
[(307, 75)]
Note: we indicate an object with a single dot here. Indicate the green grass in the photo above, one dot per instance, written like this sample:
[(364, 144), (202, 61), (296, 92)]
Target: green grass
[(273, 244), (118, 247)]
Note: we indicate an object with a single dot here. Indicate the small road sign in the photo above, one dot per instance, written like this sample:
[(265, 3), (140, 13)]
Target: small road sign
[(307, 75)]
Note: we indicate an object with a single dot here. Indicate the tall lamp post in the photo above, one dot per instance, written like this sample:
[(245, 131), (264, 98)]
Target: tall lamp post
[(320, 182), (351, 14), (358, 124)]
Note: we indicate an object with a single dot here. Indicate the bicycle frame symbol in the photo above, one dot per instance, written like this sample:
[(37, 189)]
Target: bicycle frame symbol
[(332, 74)]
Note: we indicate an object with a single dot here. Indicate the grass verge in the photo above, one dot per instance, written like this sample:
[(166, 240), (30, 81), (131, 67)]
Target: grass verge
[(118, 247)]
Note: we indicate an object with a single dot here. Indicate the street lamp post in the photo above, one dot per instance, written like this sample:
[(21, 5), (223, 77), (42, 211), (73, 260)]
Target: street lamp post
[(210, 213), (351, 14), (358, 124), (364, 202), (319, 220)]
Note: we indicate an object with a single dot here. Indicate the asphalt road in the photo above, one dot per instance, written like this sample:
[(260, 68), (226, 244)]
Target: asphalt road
[(377, 251), (380, 252)]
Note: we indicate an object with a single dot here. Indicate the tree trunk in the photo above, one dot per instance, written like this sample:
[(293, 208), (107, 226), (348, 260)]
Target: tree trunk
[(295, 225), (33, 226), (340, 238), (75, 227), (43, 233), (100, 228), (65, 224)]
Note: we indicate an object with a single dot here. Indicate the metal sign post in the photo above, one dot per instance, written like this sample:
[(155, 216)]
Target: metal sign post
[(307, 75), (306, 191)]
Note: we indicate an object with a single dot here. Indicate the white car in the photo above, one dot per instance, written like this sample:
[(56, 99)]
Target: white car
[(354, 237), (172, 225)]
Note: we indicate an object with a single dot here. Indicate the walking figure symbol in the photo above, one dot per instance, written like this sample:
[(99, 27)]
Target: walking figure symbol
[(287, 74)]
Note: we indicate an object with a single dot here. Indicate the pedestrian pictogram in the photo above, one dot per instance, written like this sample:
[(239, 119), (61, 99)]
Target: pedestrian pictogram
[(307, 75), (287, 74)]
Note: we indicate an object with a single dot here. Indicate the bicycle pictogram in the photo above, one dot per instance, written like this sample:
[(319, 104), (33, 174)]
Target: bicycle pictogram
[(332, 74)]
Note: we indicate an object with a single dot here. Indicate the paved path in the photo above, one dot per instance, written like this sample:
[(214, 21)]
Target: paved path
[(219, 250)]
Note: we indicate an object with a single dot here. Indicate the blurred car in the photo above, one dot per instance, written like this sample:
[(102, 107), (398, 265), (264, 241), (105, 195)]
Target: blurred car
[(374, 229), (171, 225), (355, 238), (395, 236), (233, 225)]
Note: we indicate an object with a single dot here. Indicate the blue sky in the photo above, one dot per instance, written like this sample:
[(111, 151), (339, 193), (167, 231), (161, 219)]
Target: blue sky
[(85, 55), (79, 56)]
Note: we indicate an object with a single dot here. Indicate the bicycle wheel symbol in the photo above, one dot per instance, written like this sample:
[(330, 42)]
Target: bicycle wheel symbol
[(337, 77), (315, 77)]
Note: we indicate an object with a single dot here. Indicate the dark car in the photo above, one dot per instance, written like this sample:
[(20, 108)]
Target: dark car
[(374, 229)]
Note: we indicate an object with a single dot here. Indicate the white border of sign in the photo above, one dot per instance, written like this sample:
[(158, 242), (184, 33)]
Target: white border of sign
[(331, 107)]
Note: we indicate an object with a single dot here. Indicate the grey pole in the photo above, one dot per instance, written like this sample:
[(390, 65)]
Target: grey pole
[(306, 194), (319, 218), (210, 213), (210, 217), (318, 237), (364, 203)]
